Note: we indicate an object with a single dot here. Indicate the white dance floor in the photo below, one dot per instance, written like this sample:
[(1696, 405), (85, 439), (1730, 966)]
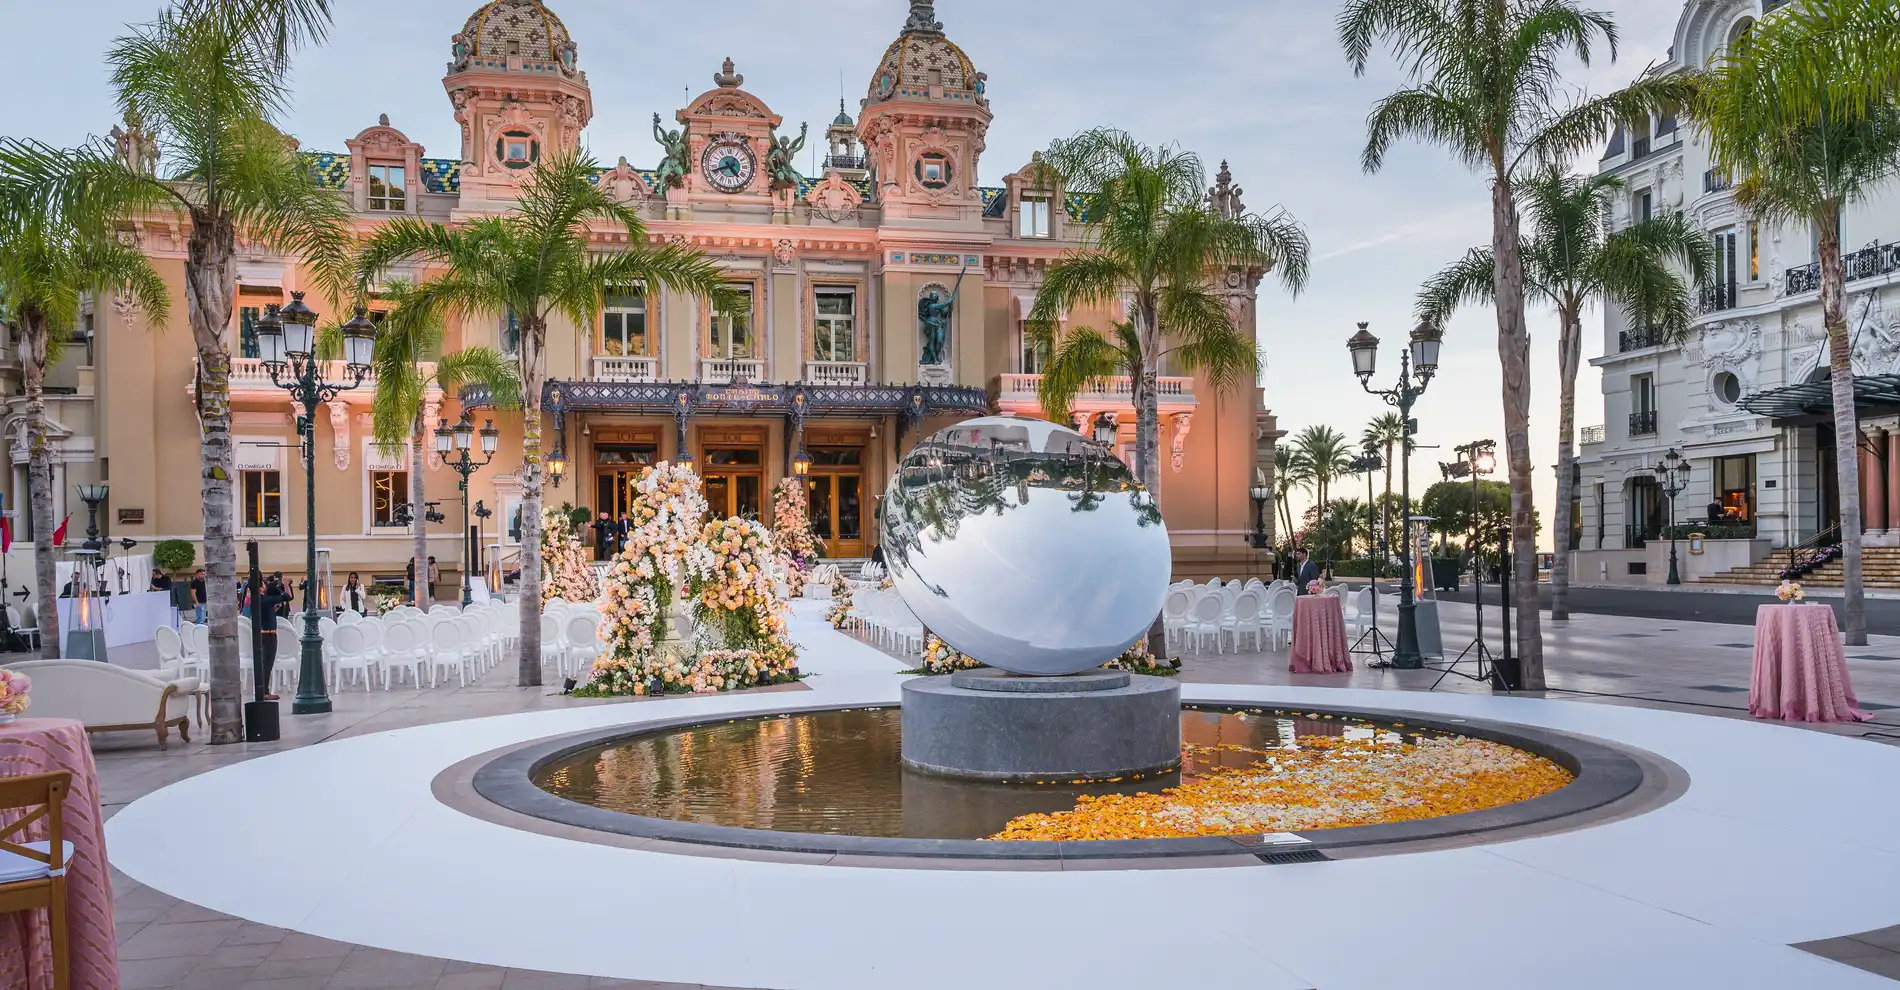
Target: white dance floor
[(1783, 836)]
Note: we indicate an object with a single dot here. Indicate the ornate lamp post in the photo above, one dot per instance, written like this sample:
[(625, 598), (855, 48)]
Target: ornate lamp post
[(1105, 430), (557, 467), (801, 464), (1261, 495), (1419, 361), (287, 341), (1673, 473), (458, 440)]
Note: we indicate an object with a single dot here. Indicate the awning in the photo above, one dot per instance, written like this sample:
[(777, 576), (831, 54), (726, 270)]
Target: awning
[(1813, 402)]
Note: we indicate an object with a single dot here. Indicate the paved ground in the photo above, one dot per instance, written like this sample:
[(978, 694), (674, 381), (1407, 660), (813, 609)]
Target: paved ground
[(165, 943), (1883, 614)]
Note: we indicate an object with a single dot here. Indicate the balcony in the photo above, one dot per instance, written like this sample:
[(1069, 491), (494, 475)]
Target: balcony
[(1590, 435), (835, 372), (1643, 424), (1716, 298), (1636, 340), (1715, 180), (727, 371), (626, 369), (1869, 262), (1019, 394), (250, 377), (850, 162)]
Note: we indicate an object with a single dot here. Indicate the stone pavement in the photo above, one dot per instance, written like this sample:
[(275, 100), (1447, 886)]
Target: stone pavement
[(166, 943)]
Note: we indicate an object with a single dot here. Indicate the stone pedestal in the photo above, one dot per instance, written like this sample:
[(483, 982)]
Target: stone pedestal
[(992, 725)]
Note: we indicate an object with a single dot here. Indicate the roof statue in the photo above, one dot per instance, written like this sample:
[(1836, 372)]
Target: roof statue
[(674, 165), (923, 18), (137, 149), (1224, 198), (780, 158), (726, 78)]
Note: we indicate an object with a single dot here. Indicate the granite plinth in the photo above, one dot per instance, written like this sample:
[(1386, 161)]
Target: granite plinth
[(989, 725)]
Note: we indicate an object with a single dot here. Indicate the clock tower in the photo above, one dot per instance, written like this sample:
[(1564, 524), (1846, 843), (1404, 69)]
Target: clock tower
[(729, 142), (519, 96)]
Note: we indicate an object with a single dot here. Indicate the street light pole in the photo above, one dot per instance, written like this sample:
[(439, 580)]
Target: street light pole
[(458, 440), (1673, 472), (1420, 361), (287, 342)]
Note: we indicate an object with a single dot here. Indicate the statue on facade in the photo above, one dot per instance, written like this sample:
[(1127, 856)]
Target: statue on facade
[(1224, 198), (137, 149), (674, 165), (779, 159), (933, 320), (569, 55), (458, 52)]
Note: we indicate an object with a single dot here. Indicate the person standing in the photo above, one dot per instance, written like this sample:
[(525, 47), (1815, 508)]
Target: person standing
[(353, 593), (409, 580), (606, 533), (435, 578), (161, 581), (1306, 572), (263, 609)]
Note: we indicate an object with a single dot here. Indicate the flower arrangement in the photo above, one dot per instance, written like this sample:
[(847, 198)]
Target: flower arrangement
[(731, 570), (1313, 587), (791, 527), (674, 671), (567, 575), (384, 597), (1790, 591), (885, 584), (939, 658), (15, 693), (840, 611), (1137, 660)]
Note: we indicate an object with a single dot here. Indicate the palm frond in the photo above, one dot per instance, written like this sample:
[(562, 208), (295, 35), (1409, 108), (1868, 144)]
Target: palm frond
[(1469, 281), (1081, 356)]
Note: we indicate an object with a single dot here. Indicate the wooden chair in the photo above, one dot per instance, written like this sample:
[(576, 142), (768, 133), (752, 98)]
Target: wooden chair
[(33, 874)]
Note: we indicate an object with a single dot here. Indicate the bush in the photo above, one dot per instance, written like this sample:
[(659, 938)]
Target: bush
[(174, 555), (1709, 532), (579, 518), (1362, 567)]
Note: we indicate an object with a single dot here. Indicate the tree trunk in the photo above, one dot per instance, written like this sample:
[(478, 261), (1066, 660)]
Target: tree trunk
[(1569, 355), (39, 484), (1148, 439), (532, 335), (420, 550), (210, 283), (1514, 345), (1840, 360)]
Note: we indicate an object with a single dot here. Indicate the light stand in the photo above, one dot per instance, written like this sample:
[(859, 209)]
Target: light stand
[(1420, 360), (459, 440), (1373, 637), (1480, 458), (482, 513), (287, 342), (1673, 473)]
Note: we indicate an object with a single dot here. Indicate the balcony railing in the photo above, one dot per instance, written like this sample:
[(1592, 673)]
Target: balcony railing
[(1119, 389), (1869, 262), (627, 369), (1715, 180), (250, 373), (835, 372), (1716, 298), (1590, 434), (845, 161), (726, 371), (1636, 340), (1643, 424)]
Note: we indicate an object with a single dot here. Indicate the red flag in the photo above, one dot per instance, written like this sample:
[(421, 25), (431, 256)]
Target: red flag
[(59, 535), (6, 535)]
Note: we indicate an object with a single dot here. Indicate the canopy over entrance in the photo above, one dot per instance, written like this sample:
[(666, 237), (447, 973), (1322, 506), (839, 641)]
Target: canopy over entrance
[(1813, 402)]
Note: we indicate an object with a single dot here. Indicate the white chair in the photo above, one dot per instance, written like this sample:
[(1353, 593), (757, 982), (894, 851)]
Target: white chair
[(1359, 611), (447, 643), (583, 644), (348, 617), (1244, 617), (1206, 621), (401, 649), (171, 649), (354, 659), (553, 647), (1175, 610), (1280, 615), (289, 658), (445, 608)]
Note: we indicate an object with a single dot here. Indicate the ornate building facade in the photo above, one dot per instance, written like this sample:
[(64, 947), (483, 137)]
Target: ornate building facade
[(888, 295)]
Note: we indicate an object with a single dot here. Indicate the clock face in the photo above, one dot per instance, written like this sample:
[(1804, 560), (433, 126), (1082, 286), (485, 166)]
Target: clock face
[(728, 164)]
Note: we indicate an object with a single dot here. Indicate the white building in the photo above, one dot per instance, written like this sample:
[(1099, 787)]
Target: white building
[(1728, 398)]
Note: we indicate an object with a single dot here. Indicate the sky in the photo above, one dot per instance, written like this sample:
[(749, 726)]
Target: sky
[(1261, 84)]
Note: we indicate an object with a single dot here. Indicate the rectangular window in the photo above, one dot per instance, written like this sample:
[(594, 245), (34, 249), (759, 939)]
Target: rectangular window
[(1639, 137), (263, 500), (1032, 217), (835, 326), (1725, 258), (247, 332), (1035, 355), (1646, 205), (388, 193), (387, 490), (1643, 394), (1734, 492), (1754, 251), (623, 323), (732, 332), (511, 335)]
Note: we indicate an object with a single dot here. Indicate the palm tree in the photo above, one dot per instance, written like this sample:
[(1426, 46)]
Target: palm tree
[(206, 79), (45, 264), (1289, 475), (535, 264), (1325, 455), (1574, 258), (407, 341), (1795, 167), (1486, 87), (1820, 57), (1382, 434)]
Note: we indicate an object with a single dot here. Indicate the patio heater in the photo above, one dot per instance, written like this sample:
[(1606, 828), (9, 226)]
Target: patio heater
[(87, 639)]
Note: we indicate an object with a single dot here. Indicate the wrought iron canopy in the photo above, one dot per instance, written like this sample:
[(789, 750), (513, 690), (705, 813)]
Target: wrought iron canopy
[(1813, 402)]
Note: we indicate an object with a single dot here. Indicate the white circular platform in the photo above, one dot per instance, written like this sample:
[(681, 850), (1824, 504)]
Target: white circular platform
[(1783, 835)]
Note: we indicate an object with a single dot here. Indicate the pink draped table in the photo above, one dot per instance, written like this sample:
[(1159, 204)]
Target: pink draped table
[(44, 745), (1319, 636), (1800, 667)]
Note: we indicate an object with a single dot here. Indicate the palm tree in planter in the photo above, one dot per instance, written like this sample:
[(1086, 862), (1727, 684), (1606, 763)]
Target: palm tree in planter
[(46, 263), (1485, 86), (1808, 168), (1384, 433), (202, 85), (408, 364), (535, 264), (1151, 238), (1573, 258)]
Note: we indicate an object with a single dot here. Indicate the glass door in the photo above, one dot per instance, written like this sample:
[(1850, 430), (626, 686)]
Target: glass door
[(837, 500), (616, 468), (735, 480)]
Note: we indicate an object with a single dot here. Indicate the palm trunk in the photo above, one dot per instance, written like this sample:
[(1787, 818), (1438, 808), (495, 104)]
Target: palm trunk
[(210, 282), (1514, 345), (39, 484), (1148, 439), (1846, 424), (529, 667), (1569, 355), (419, 513)]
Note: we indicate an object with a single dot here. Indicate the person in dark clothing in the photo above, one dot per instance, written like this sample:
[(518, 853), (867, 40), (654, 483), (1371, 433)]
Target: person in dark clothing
[(161, 581), (1718, 514), (264, 611), (1306, 573), (198, 594), (606, 537), (409, 579)]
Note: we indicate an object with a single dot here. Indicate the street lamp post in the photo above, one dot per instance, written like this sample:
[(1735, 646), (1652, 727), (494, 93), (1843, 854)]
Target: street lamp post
[(1673, 472), (287, 341), (1419, 361), (458, 440), (1262, 494)]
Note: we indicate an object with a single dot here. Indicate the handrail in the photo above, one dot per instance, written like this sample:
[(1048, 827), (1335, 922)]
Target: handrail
[(1813, 553)]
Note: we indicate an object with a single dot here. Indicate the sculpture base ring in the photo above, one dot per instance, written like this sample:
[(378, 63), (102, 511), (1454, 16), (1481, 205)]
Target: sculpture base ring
[(1084, 727)]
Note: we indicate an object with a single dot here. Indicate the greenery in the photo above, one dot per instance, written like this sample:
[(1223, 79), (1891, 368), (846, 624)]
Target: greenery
[(1362, 567), (174, 555), (579, 517), (1449, 505)]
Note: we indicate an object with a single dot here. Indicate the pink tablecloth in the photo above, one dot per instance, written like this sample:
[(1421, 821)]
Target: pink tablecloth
[(1319, 636), (43, 745), (1800, 667)]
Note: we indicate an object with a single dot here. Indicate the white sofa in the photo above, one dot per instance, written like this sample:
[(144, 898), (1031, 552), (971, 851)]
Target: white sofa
[(109, 698)]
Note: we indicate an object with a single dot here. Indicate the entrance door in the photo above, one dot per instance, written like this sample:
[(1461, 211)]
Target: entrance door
[(735, 480), (616, 468), (837, 499)]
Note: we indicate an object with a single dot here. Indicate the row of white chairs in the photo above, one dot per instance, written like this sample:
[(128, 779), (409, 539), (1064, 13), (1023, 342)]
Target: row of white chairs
[(881, 616), (358, 648), (1223, 612), (570, 636)]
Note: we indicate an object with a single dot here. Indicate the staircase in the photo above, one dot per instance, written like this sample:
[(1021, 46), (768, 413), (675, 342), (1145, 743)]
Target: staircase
[(851, 567), (1880, 568)]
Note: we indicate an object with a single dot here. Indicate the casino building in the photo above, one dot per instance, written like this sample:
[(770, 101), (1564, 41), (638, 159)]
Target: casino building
[(888, 295)]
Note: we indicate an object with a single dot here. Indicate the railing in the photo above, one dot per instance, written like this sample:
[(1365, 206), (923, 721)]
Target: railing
[(1812, 554), (250, 373), (835, 372), (1636, 340), (845, 161), (725, 371), (1716, 298), (1643, 424), (1639, 148), (1590, 434), (1715, 180), (1637, 535), (1119, 388), (627, 369), (1868, 262)]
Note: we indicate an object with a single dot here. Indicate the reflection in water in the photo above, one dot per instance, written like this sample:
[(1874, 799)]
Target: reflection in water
[(839, 773)]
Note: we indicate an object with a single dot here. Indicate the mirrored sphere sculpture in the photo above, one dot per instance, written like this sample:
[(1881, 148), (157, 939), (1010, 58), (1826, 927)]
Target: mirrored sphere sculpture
[(1025, 545)]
